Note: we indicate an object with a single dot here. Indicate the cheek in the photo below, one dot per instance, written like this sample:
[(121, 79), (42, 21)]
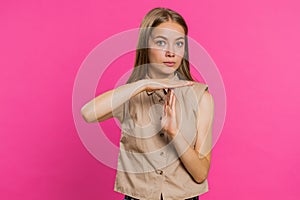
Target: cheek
[(154, 55), (179, 56), (179, 59), (180, 53)]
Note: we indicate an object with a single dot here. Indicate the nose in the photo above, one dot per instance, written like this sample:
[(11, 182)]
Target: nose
[(170, 52)]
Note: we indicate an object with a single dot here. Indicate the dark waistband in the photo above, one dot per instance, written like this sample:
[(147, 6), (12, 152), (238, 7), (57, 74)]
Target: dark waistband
[(131, 198)]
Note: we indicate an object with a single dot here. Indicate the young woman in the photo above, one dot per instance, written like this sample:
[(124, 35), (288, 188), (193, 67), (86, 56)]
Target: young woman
[(166, 116)]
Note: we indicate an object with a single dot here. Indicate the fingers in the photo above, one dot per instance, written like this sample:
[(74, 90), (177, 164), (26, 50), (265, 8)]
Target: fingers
[(180, 83), (156, 84), (173, 100), (167, 105), (170, 102), (170, 97), (169, 118)]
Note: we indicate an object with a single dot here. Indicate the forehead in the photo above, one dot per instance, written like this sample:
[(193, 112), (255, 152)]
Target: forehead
[(168, 29)]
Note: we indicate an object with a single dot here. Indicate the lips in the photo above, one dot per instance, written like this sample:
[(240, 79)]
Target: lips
[(169, 64)]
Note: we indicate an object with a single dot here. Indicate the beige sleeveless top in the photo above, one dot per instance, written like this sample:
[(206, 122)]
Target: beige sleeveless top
[(148, 164)]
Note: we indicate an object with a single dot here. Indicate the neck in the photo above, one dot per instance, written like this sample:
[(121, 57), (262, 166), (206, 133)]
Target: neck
[(160, 76)]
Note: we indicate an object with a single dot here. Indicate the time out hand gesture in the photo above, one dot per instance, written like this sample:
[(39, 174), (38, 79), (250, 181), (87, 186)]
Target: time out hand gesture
[(157, 84), (169, 121)]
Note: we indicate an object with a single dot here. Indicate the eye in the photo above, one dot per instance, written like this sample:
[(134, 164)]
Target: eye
[(160, 43), (179, 44)]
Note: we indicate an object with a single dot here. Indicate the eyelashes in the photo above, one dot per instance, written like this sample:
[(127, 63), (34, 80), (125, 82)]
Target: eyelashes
[(180, 44), (162, 43)]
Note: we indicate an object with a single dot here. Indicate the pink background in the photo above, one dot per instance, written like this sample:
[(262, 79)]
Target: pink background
[(255, 45)]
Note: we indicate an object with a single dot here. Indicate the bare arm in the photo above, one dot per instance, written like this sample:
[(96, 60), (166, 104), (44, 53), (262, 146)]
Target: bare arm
[(101, 107), (197, 159)]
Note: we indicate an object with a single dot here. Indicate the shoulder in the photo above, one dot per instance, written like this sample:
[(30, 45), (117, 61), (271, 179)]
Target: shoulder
[(200, 90), (200, 86), (205, 99)]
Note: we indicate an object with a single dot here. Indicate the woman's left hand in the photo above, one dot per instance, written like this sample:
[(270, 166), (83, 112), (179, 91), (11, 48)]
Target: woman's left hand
[(169, 121)]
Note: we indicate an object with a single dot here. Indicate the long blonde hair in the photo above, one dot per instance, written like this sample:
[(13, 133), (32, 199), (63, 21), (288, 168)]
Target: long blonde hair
[(152, 19)]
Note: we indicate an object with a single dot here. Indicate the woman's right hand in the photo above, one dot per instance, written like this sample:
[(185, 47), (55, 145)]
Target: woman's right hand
[(157, 84)]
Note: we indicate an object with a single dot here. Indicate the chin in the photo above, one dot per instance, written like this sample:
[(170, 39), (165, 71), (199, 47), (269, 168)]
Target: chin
[(163, 70), (168, 71)]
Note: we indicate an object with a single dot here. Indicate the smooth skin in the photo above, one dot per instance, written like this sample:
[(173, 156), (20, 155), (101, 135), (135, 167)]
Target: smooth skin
[(166, 45)]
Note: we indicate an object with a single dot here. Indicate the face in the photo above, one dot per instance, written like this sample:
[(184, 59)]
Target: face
[(166, 49)]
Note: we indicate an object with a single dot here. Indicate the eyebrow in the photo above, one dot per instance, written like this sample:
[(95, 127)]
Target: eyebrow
[(160, 36)]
